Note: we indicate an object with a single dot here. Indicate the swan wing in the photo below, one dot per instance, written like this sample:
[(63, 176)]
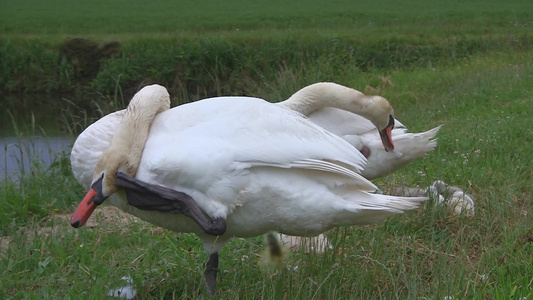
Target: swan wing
[(345, 123), (199, 148), (234, 130), (243, 133), (247, 161)]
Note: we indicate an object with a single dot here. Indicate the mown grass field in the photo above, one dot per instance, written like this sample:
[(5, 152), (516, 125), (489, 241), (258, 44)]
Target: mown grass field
[(106, 18), (466, 65), (209, 47)]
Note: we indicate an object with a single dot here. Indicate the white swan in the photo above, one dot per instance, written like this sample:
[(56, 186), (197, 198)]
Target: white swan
[(250, 167), (353, 127), (330, 106)]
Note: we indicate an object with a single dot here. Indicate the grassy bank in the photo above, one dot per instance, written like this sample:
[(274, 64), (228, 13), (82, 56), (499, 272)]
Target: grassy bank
[(484, 104), (198, 50), (201, 49), (194, 68), (466, 65)]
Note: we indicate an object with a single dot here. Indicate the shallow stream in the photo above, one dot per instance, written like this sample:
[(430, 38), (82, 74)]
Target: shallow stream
[(30, 135), (23, 155)]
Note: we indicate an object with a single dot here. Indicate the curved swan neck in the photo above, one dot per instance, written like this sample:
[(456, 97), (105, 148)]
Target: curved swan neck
[(327, 94), (132, 132), (126, 147)]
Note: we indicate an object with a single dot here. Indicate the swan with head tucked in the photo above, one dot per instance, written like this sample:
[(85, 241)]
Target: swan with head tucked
[(336, 108), (341, 110), (248, 165)]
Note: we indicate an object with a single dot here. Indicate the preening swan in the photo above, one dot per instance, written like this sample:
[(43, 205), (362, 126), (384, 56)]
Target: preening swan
[(344, 111), (314, 98), (227, 167), (337, 109)]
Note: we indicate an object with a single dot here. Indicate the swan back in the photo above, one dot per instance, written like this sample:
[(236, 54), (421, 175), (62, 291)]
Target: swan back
[(409, 147)]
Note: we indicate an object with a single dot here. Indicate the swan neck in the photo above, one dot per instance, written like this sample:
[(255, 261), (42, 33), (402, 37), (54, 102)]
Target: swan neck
[(132, 131), (326, 94), (132, 134), (127, 145)]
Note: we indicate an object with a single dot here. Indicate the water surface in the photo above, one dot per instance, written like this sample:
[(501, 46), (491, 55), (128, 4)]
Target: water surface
[(26, 154), (30, 133)]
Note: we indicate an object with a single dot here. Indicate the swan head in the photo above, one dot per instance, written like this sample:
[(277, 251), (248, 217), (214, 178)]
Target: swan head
[(92, 199), (328, 94), (381, 114), (125, 149), (103, 185)]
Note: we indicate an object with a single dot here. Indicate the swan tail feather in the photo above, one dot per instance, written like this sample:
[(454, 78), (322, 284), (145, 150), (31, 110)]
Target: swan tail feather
[(417, 144), (346, 175), (408, 147), (374, 208)]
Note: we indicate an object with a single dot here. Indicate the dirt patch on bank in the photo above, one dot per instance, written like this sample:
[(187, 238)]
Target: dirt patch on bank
[(103, 215), (106, 216)]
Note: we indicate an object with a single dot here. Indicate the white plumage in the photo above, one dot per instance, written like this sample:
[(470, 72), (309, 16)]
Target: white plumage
[(335, 108), (259, 166)]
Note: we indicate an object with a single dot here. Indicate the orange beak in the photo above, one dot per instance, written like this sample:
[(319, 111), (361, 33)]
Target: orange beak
[(84, 210), (93, 198), (386, 135)]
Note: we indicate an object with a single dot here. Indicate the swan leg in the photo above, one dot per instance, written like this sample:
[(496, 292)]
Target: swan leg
[(210, 273), (148, 196), (274, 245)]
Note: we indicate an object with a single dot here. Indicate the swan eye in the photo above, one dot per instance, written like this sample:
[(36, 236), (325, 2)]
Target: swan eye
[(391, 122), (97, 186)]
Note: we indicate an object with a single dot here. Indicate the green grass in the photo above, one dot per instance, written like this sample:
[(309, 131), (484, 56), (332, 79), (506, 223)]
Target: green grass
[(63, 17), (208, 48), (466, 65)]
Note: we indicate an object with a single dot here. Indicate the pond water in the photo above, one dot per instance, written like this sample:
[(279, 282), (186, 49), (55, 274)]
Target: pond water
[(30, 135), (22, 155)]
